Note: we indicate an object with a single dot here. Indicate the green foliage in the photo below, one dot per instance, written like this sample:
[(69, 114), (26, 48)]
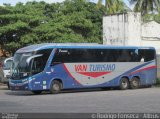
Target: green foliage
[(146, 6), (37, 22), (148, 17), (151, 17), (157, 18), (113, 6)]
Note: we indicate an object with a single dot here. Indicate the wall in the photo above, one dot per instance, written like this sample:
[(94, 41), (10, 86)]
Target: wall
[(134, 29), (114, 30), (120, 29), (151, 35)]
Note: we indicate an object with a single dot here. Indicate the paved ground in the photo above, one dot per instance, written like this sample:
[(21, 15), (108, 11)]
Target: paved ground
[(3, 86), (140, 100)]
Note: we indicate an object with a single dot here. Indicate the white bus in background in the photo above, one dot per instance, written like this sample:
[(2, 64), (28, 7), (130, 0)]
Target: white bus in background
[(6, 70)]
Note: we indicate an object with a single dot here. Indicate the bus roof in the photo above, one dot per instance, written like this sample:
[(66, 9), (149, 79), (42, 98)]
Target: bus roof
[(36, 47)]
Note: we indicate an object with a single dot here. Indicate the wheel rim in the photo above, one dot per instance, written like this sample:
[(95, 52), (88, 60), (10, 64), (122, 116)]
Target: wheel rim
[(135, 83), (56, 87), (124, 84)]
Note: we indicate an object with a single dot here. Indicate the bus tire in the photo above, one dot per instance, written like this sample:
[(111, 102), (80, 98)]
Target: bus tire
[(135, 83), (37, 92), (124, 84), (56, 87)]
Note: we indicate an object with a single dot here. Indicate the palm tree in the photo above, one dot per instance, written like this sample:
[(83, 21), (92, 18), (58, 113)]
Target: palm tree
[(146, 6), (112, 6)]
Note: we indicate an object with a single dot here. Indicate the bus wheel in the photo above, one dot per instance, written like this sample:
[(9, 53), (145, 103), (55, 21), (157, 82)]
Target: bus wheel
[(56, 87), (124, 84), (37, 92), (135, 83)]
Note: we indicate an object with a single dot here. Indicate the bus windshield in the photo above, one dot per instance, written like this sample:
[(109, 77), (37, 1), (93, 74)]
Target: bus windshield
[(20, 69), (28, 64)]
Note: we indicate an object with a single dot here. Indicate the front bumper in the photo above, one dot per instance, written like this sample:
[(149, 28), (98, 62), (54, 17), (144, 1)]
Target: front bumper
[(19, 84)]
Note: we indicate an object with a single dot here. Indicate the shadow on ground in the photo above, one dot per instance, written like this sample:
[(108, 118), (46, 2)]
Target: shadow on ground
[(29, 93)]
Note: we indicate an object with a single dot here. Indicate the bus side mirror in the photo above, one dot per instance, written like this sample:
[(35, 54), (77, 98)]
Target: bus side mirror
[(32, 57)]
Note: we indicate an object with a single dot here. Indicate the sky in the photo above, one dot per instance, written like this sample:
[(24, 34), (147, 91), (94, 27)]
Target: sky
[(13, 2)]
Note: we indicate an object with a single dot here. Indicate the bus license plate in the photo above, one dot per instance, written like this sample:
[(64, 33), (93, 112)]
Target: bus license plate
[(16, 87)]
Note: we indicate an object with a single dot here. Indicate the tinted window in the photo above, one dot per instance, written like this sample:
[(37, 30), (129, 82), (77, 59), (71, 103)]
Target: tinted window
[(126, 55), (61, 55), (119, 55), (99, 55), (146, 54), (39, 63), (74, 55)]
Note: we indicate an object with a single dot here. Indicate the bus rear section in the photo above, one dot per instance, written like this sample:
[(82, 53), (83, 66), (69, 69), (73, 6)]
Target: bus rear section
[(69, 67)]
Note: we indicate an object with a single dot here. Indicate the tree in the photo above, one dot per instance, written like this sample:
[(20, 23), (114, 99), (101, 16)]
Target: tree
[(17, 24), (146, 6), (113, 6), (38, 22), (74, 21)]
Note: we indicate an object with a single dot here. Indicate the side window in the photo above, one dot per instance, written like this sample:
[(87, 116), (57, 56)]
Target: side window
[(78, 55), (118, 55), (101, 55), (45, 54), (61, 56), (109, 55), (39, 63), (124, 55), (89, 55), (75, 55), (146, 55), (134, 55), (98, 55)]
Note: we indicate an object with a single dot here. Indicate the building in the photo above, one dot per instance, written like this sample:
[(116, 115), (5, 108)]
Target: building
[(128, 29)]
